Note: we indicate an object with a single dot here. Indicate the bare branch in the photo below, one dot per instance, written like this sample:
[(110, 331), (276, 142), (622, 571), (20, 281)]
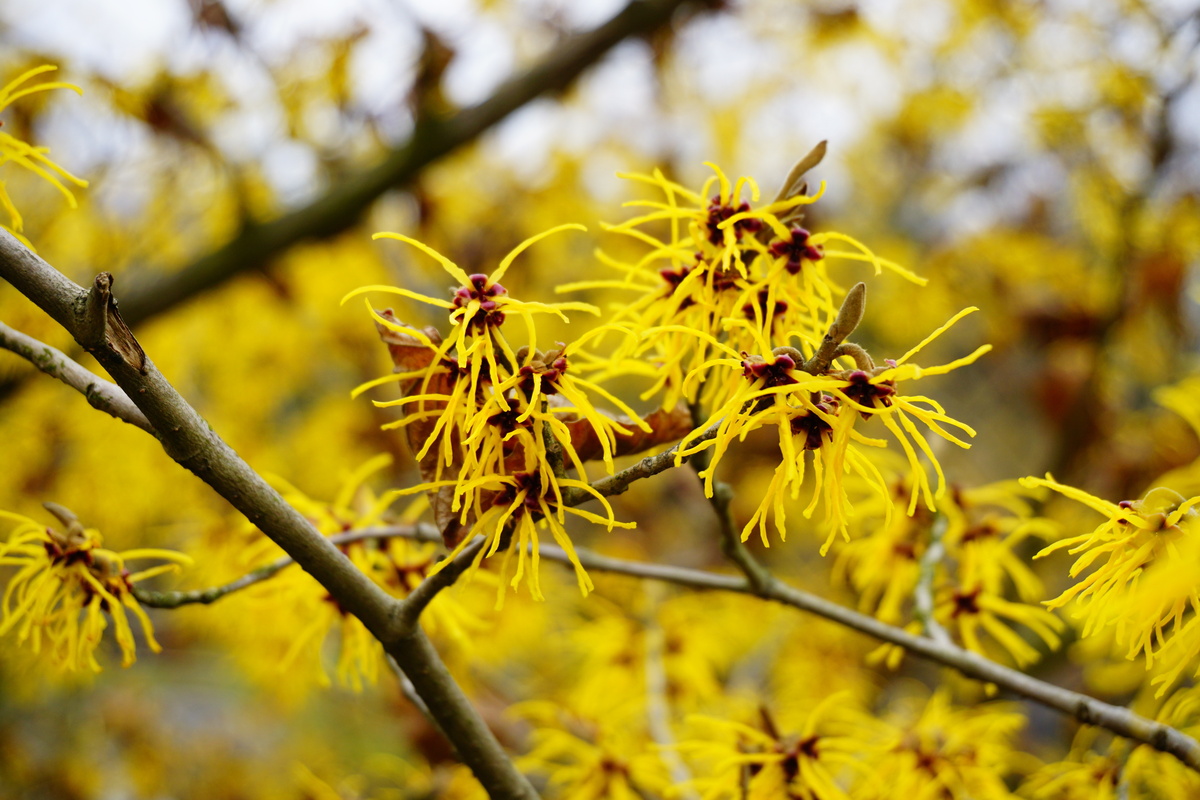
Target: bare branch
[(189, 440), (647, 467), (1087, 710), (149, 597), (923, 605), (432, 139), (102, 395)]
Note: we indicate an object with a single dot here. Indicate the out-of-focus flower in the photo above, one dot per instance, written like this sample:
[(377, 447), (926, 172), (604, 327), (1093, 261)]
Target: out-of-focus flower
[(398, 565), (970, 609), (735, 760), (940, 750), (604, 759), (67, 587)]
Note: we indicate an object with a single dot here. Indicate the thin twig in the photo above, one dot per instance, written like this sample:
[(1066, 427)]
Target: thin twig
[(148, 597), (1087, 710), (658, 712), (101, 394), (731, 541), (923, 606), (646, 468)]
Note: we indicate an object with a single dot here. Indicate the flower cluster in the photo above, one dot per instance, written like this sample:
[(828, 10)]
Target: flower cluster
[(495, 427), (737, 318), (980, 588), (738, 315)]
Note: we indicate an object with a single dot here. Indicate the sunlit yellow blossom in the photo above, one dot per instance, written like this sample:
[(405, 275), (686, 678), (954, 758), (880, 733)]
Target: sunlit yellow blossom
[(518, 505), (67, 587), (820, 413), (496, 426), (872, 392), (728, 270), (25, 155), (478, 307)]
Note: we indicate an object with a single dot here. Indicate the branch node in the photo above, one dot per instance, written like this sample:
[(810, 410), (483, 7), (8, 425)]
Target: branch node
[(102, 325)]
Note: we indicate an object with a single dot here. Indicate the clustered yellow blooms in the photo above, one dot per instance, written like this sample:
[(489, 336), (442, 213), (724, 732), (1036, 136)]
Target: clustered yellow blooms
[(34, 159), (501, 418), (67, 587), (609, 758), (731, 319), (735, 305)]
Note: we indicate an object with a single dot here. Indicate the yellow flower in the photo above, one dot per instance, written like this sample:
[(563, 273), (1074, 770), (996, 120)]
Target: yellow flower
[(25, 155), (727, 270), (883, 564), (819, 414), (1145, 581), (939, 750), (478, 307), (985, 527), (66, 588), (507, 423), (809, 764), (971, 610), (603, 759), (523, 503)]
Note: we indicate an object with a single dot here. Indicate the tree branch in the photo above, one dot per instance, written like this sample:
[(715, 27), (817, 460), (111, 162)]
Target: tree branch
[(646, 468), (153, 599), (101, 394), (432, 138), (1087, 710), (190, 441)]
